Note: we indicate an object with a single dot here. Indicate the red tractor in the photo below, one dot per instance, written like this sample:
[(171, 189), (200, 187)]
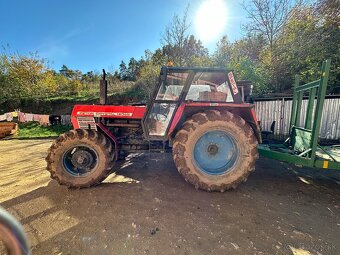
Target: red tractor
[(199, 113)]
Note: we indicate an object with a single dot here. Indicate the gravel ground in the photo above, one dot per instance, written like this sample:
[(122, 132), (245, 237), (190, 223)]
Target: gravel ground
[(147, 208)]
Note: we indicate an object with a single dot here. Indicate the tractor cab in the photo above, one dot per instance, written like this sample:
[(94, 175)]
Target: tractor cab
[(178, 86)]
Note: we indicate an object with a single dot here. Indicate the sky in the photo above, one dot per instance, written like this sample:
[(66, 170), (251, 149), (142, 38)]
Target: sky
[(91, 35)]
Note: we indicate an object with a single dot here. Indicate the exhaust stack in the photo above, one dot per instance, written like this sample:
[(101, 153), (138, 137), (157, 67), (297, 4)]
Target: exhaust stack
[(103, 90)]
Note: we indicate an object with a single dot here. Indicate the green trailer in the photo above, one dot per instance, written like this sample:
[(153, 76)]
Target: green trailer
[(301, 147)]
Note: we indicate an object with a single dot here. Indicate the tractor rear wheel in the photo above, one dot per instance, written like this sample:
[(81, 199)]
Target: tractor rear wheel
[(215, 150), (80, 158)]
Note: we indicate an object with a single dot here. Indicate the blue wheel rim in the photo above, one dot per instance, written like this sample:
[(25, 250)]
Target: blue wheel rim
[(215, 152), (80, 160)]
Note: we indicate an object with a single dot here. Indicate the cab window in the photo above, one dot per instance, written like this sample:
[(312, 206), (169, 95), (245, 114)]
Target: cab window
[(172, 87), (211, 87)]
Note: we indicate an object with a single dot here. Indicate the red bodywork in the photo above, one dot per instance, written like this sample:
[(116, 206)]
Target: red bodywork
[(185, 110), (107, 111)]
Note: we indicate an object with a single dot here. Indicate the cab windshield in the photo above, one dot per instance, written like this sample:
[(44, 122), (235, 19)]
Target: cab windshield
[(205, 86)]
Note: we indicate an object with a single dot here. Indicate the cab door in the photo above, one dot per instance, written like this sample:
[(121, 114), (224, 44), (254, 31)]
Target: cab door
[(164, 103)]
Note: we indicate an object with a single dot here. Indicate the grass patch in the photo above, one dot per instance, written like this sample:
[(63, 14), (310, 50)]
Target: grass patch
[(34, 130)]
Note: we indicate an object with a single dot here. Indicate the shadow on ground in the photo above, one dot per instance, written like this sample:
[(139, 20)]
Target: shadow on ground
[(147, 208)]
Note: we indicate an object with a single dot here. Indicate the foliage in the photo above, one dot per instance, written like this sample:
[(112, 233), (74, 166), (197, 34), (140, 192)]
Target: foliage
[(267, 17), (148, 78), (307, 35), (283, 38), (179, 47)]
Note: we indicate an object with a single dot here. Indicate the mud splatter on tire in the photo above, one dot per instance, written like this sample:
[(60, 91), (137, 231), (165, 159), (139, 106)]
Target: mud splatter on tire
[(93, 139), (192, 130)]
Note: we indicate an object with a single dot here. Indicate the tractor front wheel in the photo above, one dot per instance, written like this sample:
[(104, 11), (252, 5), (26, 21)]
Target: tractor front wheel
[(80, 158), (215, 150)]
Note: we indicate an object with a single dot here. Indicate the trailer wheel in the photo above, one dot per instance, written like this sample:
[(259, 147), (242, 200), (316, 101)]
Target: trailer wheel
[(80, 158), (215, 150)]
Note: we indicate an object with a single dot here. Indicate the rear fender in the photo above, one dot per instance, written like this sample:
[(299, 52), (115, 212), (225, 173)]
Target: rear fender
[(245, 111)]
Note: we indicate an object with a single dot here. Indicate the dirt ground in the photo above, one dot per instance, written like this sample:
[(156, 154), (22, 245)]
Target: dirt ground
[(147, 208)]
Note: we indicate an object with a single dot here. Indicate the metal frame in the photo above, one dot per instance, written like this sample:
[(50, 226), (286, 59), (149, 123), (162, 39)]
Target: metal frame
[(311, 127), (191, 74)]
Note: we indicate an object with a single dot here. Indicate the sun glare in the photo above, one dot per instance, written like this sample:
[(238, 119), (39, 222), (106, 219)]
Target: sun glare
[(210, 20)]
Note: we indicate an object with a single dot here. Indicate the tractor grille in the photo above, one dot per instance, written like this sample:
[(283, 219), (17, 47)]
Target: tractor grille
[(86, 123)]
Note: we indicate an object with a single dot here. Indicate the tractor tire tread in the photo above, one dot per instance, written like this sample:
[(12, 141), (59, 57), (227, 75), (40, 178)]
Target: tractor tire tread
[(180, 147), (92, 137)]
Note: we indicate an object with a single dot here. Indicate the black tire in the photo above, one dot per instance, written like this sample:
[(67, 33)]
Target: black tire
[(12, 235), (198, 125), (93, 140)]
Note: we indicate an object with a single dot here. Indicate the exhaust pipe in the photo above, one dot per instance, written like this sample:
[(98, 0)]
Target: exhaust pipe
[(103, 90)]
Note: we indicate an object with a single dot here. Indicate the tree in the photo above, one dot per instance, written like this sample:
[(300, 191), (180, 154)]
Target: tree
[(178, 46), (24, 74), (64, 71), (4, 85), (251, 47), (267, 17), (133, 69), (158, 57), (47, 83), (329, 11), (174, 37), (123, 71), (194, 53), (223, 52), (70, 74), (148, 78), (308, 38)]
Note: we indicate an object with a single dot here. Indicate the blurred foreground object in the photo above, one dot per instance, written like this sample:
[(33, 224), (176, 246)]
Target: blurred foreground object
[(13, 240)]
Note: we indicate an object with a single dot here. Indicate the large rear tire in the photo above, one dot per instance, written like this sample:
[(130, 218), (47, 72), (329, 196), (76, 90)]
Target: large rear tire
[(215, 150), (80, 158)]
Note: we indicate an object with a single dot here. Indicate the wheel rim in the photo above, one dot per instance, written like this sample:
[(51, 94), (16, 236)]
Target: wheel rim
[(215, 152), (80, 160)]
